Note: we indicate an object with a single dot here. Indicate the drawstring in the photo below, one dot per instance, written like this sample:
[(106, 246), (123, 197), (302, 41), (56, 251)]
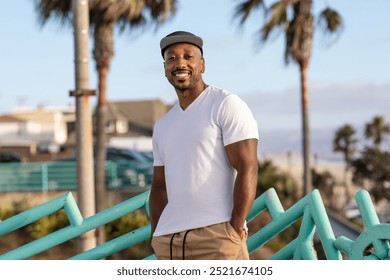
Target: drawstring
[(170, 246), (184, 241)]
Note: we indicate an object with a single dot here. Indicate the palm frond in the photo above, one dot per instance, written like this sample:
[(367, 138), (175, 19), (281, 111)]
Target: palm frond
[(330, 20), (142, 14), (331, 24), (60, 10), (377, 130), (244, 9), (161, 10), (278, 19), (109, 11)]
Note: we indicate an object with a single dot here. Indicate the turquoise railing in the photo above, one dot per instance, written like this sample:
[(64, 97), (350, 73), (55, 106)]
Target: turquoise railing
[(372, 243), (77, 227)]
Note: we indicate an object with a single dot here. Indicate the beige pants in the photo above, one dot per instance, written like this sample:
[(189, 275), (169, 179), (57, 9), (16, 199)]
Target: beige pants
[(215, 242)]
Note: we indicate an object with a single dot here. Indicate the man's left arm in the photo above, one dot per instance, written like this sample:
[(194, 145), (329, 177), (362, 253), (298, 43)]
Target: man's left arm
[(242, 156)]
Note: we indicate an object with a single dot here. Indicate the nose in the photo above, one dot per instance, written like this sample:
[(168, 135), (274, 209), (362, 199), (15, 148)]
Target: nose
[(180, 63)]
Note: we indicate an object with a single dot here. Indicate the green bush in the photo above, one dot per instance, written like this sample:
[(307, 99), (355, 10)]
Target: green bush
[(126, 224), (59, 220), (48, 224), (270, 176), (5, 214)]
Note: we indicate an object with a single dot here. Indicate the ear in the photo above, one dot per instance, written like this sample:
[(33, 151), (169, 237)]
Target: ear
[(203, 65)]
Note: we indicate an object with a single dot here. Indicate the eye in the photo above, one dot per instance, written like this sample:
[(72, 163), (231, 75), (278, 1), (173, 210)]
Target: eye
[(169, 57)]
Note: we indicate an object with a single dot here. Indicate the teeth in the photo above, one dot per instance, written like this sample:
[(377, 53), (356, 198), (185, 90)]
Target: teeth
[(181, 74)]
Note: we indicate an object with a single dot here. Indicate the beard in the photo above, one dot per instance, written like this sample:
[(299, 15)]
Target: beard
[(181, 87), (184, 85)]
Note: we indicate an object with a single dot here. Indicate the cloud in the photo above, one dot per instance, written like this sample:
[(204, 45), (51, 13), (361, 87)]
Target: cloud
[(331, 105), (356, 103)]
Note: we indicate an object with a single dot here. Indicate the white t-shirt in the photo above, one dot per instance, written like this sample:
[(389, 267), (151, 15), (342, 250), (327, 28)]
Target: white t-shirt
[(190, 144)]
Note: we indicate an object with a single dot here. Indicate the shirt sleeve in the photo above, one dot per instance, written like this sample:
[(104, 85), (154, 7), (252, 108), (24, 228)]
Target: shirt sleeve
[(236, 121), (158, 159)]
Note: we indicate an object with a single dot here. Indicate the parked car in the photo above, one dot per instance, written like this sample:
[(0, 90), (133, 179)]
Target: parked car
[(134, 168), (10, 157), (148, 155), (119, 153)]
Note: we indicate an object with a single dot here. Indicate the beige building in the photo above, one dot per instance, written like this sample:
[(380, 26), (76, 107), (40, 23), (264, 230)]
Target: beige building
[(128, 121), (47, 133), (29, 132)]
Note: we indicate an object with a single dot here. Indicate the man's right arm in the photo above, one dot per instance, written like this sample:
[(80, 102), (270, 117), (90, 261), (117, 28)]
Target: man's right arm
[(158, 196)]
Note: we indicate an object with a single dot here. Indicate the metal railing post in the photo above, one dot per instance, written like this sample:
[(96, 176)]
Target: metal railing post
[(44, 178)]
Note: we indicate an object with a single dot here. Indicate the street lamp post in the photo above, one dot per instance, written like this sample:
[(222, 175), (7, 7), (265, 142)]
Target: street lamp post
[(84, 134)]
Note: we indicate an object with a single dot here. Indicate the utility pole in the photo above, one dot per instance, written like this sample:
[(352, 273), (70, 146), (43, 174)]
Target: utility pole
[(84, 134)]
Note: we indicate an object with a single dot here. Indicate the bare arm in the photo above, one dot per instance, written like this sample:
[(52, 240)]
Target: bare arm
[(158, 196), (243, 157)]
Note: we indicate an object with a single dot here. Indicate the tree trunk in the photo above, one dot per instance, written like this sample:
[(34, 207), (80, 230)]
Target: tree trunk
[(347, 185), (103, 53), (100, 150), (307, 181)]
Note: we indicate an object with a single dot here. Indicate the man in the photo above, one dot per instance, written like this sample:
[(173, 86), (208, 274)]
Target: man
[(205, 162)]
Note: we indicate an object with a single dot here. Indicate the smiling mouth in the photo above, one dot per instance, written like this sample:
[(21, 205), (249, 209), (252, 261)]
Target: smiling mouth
[(181, 74)]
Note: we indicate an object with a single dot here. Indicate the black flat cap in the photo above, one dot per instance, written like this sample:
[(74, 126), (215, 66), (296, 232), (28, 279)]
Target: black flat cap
[(180, 37)]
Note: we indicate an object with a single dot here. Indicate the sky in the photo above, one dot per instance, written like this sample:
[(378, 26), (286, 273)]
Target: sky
[(349, 81)]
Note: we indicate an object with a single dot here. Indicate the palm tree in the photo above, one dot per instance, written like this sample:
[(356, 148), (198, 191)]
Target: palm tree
[(345, 142), (295, 19), (376, 130), (104, 16)]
